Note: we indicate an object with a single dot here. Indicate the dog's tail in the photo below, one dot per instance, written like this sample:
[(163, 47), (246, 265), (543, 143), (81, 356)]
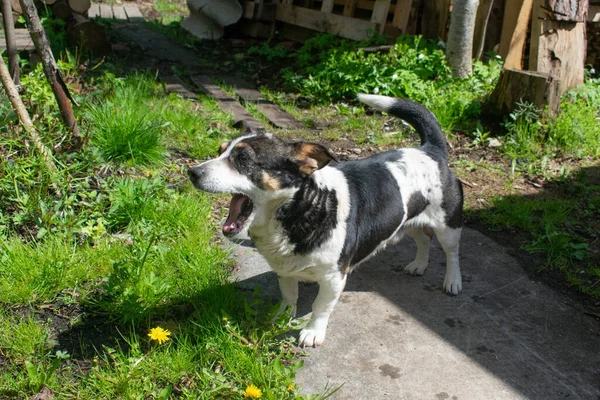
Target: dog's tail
[(415, 114)]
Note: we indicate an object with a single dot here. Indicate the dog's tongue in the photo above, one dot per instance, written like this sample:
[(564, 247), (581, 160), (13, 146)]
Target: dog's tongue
[(235, 208)]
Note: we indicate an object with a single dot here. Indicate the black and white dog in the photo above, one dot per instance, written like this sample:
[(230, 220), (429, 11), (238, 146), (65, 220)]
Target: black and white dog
[(316, 222)]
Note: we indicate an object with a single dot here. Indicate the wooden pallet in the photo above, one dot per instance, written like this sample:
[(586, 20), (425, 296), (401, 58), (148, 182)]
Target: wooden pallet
[(23, 40), (351, 19), (122, 12)]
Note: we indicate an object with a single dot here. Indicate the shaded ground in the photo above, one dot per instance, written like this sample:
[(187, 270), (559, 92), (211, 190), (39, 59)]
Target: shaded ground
[(400, 337)]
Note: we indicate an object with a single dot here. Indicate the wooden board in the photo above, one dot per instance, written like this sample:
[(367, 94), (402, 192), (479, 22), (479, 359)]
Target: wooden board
[(119, 12), (133, 12), (381, 9), (241, 117), (274, 114), (401, 14), (106, 11), (346, 27), (174, 84), (594, 13), (517, 15), (22, 38), (94, 11)]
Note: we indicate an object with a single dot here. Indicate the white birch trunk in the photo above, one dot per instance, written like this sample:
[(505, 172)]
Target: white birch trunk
[(459, 50)]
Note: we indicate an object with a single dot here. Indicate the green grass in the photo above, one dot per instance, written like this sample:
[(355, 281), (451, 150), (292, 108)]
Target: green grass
[(113, 244)]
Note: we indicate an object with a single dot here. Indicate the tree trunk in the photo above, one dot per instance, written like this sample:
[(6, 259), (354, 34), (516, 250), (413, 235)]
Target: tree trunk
[(59, 88), (459, 50), (538, 88), (19, 107), (11, 43)]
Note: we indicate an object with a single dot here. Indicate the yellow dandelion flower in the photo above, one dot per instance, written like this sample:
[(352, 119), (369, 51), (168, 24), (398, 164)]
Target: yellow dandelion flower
[(253, 392), (224, 319), (159, 334), (290, 387)]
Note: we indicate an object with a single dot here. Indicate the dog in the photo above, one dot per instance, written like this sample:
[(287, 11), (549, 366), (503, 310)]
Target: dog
[(316, 219)]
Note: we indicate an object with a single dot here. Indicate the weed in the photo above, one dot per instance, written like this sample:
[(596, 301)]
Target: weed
[(124, 129)]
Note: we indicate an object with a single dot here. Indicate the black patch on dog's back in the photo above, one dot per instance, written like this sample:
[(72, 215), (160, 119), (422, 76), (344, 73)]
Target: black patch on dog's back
[(416, 205), (376, 208), (310, 217)]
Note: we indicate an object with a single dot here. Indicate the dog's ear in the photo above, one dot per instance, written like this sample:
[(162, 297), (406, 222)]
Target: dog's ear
[(311, 156), (223, 146)]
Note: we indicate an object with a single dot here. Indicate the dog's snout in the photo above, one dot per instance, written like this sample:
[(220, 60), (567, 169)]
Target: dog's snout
[(195, 173)]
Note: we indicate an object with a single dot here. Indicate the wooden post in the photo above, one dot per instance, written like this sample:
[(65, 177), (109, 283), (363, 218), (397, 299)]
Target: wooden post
[(481, 22), (11, 43), (59, 88), (402, 14), (517, 14), (558, 44)]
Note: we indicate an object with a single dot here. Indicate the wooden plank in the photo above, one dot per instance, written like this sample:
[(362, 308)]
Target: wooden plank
[(174, 84), (349, 8), (133, 12), (435, 19), (557, 47), (350, 28), (22, 38), (94, 11), (401, 14), (517, 14), (380, 13), (273, 112), (327, 6), (119, 12), (594, 13), (106, 11), (228, 104), (249, 8)]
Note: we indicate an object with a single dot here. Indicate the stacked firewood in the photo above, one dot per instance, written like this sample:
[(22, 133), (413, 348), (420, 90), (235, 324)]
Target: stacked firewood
[(593, 45)]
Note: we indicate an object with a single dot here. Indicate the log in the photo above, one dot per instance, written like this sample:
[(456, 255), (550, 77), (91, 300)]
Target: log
[(558, 46), (11, 42), (80, 6), (209, 17), (61, 10), (538, 88), (49, 2), (59, 88), (88, 35)]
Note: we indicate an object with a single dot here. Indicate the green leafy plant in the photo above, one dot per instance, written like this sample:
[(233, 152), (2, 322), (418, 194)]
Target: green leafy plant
[(40, 376)]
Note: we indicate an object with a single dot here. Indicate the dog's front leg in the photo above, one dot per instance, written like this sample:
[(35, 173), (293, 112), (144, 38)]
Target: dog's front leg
[(331, 287), (289, 293)]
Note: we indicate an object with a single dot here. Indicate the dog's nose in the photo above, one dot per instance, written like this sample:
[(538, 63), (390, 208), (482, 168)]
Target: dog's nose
[(195, 173)]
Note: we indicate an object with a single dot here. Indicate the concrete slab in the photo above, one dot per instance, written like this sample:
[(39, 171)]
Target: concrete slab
[(394, 336)]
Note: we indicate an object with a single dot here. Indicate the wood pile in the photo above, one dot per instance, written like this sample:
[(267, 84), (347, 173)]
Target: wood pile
[(593, 37), (80, 29)]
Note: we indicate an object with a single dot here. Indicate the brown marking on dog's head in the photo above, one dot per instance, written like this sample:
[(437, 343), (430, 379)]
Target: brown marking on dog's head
[(270, 182), (312, 156), (223, 146)]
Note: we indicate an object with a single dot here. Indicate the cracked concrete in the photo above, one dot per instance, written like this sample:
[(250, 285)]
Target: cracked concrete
[(394, 336)]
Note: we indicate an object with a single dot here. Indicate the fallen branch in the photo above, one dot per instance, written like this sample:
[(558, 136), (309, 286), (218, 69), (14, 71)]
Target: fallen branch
[(19, 107), (59, 88)]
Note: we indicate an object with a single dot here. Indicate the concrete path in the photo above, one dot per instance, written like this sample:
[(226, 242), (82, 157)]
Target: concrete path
[(394, 336)]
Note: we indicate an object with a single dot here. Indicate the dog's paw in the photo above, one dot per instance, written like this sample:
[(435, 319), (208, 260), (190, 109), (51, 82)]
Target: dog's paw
[(453, 284), (415, 268), (311, 337)]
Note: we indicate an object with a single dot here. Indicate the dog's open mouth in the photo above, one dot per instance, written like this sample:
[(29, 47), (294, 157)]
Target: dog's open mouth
[(240, 209)]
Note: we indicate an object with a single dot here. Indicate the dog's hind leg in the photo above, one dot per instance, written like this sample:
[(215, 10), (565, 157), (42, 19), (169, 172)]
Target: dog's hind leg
[(289, 293), (422, 236), (449, 239), (331, 287)]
